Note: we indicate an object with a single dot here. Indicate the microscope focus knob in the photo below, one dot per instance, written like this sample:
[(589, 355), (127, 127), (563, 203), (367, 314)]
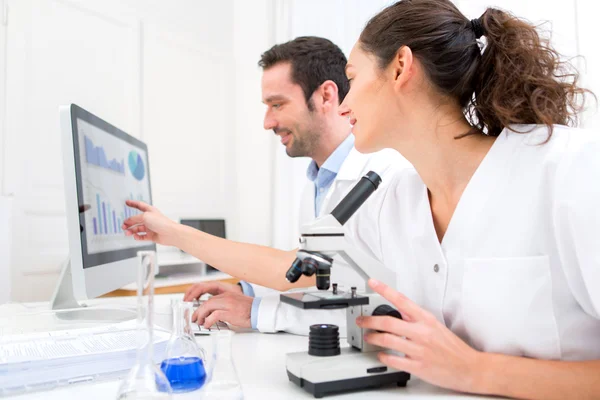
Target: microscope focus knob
[(388, 310)]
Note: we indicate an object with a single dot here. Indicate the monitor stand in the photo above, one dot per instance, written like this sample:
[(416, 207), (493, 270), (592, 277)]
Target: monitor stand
[(66, 307)]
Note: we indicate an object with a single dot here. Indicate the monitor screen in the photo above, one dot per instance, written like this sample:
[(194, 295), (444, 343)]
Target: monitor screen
[(215, 227), (110, 167)]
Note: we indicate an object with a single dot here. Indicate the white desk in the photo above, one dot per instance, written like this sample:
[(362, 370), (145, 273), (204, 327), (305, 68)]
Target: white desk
[(260, 363)]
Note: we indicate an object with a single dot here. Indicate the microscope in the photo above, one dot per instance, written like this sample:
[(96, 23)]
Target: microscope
[(326, 369)]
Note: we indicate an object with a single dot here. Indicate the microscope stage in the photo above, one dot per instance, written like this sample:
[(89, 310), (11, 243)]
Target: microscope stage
[(323, 299)]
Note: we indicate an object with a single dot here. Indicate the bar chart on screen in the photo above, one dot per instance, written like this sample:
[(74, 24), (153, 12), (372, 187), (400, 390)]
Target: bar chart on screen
[(112, 172), (108, 218), (105, 218)]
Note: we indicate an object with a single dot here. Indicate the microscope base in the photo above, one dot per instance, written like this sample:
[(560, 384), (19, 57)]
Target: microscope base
[(352, 370), (326, 388)]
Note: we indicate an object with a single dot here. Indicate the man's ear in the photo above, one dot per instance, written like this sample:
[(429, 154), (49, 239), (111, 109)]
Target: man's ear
[(328, 95), (402, 66)]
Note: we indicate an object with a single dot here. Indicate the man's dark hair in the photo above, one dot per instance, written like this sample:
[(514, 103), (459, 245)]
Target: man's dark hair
[(314, 60)]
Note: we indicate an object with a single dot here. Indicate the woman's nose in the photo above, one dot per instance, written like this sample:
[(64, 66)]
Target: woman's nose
[(344, 111)]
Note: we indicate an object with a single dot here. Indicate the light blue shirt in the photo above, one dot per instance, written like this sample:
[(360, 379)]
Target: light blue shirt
[(322, 178), (249, 291)]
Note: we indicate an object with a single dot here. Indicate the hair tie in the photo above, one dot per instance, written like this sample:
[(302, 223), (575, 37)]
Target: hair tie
[(477, 28)]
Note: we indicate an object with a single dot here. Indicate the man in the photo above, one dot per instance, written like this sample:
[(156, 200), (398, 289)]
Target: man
[(303, 85)]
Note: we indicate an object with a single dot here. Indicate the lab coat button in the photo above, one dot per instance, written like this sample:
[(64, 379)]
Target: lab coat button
[(436, 268)]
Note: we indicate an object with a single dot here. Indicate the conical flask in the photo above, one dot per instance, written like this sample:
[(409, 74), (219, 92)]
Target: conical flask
[(145, 380), (185, 363), (223, 383)]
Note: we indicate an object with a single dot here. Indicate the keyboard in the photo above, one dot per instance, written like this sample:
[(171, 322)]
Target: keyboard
[(201, 330)]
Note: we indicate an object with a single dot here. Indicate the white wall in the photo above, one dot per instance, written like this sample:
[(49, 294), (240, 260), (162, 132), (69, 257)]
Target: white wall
[(2, 97), (253, 145), (186, 117), (162, 71), (587, 46), (5, 228), (5, 201), (55, 55)]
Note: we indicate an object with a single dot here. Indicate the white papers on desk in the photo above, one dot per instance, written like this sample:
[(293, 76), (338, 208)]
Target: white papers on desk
[(40, 361)]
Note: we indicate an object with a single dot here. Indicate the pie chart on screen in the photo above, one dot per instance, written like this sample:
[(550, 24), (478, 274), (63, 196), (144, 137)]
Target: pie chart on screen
[(136, 165)]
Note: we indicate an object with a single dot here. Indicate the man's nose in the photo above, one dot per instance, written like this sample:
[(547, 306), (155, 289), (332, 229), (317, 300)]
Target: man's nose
[(269, 122)]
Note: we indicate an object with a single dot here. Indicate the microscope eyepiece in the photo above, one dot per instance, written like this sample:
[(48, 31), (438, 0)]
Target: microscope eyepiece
[(356, 197)]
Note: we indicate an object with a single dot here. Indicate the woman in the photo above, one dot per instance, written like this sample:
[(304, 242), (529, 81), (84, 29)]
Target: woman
[(494, 233)]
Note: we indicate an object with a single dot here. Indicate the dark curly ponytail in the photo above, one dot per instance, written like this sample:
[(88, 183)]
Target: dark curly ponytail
[(517, 79)]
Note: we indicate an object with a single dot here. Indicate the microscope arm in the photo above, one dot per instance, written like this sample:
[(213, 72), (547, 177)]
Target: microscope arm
[(370, 268), (333, 242), (326, 236)]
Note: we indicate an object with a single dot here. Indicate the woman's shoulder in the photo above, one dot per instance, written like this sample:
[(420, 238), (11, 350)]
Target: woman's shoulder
[(562, 138), (569, 157), (558, 149)]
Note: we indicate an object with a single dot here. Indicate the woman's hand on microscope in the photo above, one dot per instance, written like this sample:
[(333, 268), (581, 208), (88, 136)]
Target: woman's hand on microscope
[(150, 225), (432, 352)]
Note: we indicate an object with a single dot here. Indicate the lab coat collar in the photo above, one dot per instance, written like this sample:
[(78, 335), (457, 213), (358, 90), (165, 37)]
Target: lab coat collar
[(353, 166)]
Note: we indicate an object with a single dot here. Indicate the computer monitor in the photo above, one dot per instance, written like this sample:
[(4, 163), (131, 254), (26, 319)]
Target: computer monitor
[(215, 227), (103, 167)]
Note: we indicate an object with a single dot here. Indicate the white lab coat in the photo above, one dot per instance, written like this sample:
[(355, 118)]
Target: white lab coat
[(274, 316), (518, 270)]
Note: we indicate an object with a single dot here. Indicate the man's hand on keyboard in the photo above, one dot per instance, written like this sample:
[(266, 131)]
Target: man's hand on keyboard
[(233, 308), (213, 287)]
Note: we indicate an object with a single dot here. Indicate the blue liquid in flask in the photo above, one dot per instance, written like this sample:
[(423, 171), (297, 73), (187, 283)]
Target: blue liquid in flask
[(184, 373)]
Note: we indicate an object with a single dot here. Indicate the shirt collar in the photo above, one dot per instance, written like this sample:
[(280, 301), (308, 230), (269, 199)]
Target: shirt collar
[(334, 161)]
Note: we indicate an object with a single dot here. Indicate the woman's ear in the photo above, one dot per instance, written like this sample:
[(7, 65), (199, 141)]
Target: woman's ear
[(402, 66)]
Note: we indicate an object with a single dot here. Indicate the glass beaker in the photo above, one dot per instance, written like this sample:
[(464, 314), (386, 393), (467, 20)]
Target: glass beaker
[(223, 383), (145, 380), (185, 363)]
